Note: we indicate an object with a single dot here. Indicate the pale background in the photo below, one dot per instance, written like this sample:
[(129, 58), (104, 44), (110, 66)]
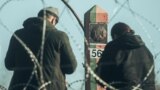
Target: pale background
[(144, 20)]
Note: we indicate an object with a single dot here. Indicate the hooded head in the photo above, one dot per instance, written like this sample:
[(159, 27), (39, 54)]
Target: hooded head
[(120, 29), (124, 36), (49, 11)]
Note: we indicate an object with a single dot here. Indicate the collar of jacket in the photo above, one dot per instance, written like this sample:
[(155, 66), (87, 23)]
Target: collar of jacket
[(37, 24), (128, 41)]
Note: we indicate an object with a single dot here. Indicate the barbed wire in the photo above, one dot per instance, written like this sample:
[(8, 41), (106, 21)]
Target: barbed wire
[(32, 56), (147, 33), (149, 37), (118, 10), (30, 53), (149, 72), (42, 46), (143, 27), (40, 65), (136, 15), (86, 65), (77, 26)]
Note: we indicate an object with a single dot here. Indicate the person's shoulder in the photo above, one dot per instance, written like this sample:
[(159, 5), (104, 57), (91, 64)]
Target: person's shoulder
[(110, 43), (60, 33), (18, 31)]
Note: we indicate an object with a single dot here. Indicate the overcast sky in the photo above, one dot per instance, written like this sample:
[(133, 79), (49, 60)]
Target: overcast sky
[(141, 15)]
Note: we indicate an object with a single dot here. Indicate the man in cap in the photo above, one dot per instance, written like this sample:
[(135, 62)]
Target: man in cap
[(57, 59), (126, 61)]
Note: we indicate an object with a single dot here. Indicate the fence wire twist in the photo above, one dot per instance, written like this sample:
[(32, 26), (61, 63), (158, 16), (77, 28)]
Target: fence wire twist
[(39, 65)]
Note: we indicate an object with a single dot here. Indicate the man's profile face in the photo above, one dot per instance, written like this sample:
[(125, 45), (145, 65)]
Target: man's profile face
[(53, 20)]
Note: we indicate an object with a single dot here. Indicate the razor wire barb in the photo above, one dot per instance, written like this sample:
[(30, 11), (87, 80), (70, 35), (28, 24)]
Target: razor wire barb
[(86, 43), (30, 53), (32, 56), (137, 16), (88, 67), (40, 65)]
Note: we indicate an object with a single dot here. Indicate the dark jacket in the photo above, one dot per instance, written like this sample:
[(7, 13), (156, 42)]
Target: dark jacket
[(58, 58), (125, 62)]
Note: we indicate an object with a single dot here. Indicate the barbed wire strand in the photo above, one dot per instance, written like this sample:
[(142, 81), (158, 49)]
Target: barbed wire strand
[(44, 85), (142, 17), (78, 28), (145, 78), (30, 52), (152, 24), (42, 45), (143, 27), (86, 42), (117, 11), (63, 10), (43, 38), (30, 78), (151, 68), (73, 39), (62, 25), (4, 4), (32, 56), (67, 31)]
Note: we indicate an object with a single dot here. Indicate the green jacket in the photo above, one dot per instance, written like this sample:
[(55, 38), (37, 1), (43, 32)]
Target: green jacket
[(58, 57)]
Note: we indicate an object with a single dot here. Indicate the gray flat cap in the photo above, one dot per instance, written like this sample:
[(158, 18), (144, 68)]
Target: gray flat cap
[(52, 10)]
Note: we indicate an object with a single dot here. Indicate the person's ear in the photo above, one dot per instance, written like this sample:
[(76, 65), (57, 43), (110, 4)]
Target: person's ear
[(52, 21)]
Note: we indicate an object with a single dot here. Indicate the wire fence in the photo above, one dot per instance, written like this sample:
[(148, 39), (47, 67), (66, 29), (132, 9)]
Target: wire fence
[(38, 65)]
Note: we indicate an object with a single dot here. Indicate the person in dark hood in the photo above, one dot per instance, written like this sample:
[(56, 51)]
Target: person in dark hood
[(57, 59), (126, 61)]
